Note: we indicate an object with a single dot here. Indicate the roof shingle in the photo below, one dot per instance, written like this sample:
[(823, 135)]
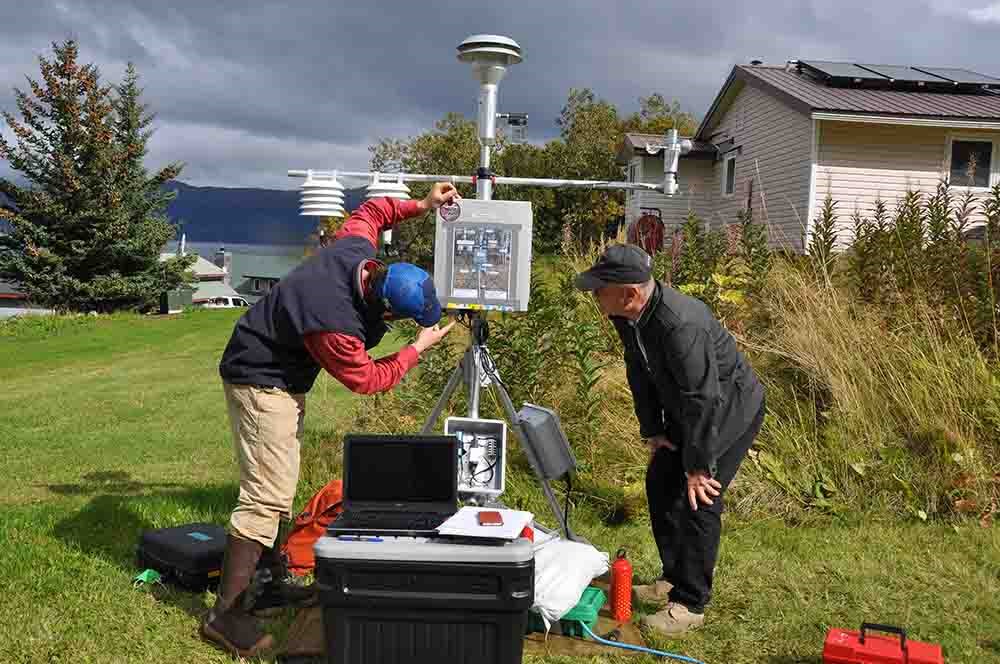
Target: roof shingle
[(819, 97)]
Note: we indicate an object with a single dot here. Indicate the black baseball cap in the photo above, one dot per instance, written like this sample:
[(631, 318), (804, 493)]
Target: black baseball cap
[(619, 264)]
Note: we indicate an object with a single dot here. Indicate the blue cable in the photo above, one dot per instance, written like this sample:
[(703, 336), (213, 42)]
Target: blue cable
[(629, 646)]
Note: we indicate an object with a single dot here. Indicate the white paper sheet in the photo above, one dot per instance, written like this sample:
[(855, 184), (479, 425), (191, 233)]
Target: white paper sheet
[(464, 523)]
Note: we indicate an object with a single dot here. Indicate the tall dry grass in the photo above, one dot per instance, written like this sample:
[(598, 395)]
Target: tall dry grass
[(896, 411)]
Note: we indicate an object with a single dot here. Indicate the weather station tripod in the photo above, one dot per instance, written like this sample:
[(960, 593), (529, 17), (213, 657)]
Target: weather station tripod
[(323, 195)]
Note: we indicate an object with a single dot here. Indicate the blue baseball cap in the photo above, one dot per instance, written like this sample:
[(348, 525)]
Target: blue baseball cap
[(408, 292)]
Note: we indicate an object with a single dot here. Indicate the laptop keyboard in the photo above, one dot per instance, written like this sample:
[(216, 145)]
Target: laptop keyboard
[(387, 521)]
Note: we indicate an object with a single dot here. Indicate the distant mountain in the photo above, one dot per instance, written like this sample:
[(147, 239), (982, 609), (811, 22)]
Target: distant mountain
[(244, 216)]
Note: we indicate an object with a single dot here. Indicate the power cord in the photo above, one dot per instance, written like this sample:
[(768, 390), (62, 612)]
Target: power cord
[(490, 468), (629, 646), (569, 490)]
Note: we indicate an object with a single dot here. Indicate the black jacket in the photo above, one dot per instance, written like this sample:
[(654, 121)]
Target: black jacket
[(688, 379)]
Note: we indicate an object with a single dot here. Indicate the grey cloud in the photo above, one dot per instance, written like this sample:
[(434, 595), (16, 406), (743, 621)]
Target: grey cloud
[(240, 86)]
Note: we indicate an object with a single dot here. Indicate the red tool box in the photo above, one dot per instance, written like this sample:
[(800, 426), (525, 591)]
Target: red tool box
[(849, 647)]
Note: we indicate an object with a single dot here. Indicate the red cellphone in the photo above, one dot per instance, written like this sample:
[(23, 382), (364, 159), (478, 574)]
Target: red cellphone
[(490, 518)]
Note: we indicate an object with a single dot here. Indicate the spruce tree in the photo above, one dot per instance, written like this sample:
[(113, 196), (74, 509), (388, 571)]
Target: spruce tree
[(88, 230)]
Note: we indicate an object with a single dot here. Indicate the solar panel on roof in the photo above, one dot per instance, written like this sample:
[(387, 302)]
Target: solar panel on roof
[(908, 74), (961, 76), (841, 70)]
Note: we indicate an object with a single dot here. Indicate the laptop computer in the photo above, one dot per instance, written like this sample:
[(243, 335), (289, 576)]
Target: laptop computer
[(397, 485)]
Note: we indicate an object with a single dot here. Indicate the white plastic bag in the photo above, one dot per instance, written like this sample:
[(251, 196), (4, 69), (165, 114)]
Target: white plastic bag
[(563, 570)]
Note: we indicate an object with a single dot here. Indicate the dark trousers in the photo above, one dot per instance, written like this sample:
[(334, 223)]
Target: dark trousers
[(688, 540)]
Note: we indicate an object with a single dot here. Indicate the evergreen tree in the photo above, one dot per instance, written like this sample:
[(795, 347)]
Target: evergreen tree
[(89, 228)]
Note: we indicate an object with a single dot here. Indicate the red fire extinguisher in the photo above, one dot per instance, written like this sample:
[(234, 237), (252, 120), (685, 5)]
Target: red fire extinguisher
[(621, 588)]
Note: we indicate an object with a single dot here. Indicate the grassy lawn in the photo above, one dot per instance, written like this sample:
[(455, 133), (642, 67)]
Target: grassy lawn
[(111, 426)]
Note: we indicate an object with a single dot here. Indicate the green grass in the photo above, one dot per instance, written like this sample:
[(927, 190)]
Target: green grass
[(113, 425)]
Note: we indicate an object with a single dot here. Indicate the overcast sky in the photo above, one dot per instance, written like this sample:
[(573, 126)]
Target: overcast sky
[(244, 91)]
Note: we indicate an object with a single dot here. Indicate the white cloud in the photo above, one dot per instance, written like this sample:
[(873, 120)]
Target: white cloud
[(990, 14)]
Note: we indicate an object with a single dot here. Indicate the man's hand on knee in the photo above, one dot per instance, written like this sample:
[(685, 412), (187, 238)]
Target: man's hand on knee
[(702, 488)]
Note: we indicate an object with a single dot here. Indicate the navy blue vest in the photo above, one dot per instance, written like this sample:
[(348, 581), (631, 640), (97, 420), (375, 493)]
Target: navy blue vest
[(267, 348)]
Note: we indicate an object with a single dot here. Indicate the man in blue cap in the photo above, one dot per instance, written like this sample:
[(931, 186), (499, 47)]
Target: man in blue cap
[(699, 405), (325, 314)]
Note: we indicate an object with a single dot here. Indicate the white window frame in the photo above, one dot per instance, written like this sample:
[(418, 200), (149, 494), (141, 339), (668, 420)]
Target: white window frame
[(631, 175), (725, 167), (994, 159)]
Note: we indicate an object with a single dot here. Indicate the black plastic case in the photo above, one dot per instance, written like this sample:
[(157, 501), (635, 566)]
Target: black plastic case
[(189, 555), (411, 600)]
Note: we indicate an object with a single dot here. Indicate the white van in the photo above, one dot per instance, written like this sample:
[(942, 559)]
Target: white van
[(225, 302)]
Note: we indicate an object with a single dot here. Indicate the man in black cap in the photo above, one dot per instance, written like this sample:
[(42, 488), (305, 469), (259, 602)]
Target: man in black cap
[(699, 406)]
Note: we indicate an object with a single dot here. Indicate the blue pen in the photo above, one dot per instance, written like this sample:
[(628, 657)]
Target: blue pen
[(357, 538)]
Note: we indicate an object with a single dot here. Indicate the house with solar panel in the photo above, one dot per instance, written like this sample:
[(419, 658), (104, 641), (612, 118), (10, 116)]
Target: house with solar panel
[(781, 138)]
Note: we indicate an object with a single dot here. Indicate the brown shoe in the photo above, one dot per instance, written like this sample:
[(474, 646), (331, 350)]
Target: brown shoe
[(228, 624), (275, 588), (656, 593), (676, 619)]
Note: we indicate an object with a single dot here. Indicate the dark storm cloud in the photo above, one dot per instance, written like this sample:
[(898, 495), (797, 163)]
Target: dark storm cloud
[(243, 91)]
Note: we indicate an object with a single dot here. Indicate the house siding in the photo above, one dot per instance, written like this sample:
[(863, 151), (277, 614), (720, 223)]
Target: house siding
[(694, 177), (776, 143), (858, 163)]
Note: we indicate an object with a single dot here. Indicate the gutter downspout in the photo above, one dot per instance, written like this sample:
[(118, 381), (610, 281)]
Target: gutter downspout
[(813, 168)]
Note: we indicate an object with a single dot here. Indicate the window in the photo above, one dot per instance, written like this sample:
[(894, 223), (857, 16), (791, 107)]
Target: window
[(972, 162), (258, 287), (729, 175)]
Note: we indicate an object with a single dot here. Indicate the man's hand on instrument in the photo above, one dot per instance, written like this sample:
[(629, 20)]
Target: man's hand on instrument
[(429, 336), (440, 194), (701, 488)]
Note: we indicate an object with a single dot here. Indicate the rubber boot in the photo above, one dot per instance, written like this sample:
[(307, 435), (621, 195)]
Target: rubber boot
[(276, 587), (228, 624)]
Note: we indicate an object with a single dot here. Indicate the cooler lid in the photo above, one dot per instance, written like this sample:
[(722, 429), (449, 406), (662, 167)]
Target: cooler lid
[(421, 549)]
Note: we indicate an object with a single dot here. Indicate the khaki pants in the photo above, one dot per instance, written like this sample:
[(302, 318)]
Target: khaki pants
[(267, 431)]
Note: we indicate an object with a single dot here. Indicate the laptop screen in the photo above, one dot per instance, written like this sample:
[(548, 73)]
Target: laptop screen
[(401, 470)]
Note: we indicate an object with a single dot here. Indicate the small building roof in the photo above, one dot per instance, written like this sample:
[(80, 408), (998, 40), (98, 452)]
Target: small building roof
[(202, 268), (9, 292), (263, 266)]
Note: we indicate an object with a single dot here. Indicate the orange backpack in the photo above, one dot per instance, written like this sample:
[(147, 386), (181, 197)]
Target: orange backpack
[(310, 525)]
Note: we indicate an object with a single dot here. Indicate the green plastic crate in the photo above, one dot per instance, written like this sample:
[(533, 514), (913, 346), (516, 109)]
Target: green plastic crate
[(585, 612)]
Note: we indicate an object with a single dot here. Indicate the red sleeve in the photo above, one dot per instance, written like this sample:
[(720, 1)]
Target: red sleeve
[(346, 359), (375, 215)]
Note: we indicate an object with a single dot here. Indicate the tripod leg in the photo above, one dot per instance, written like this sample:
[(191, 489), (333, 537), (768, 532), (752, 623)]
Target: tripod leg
[(550, 495), (453, 381)]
